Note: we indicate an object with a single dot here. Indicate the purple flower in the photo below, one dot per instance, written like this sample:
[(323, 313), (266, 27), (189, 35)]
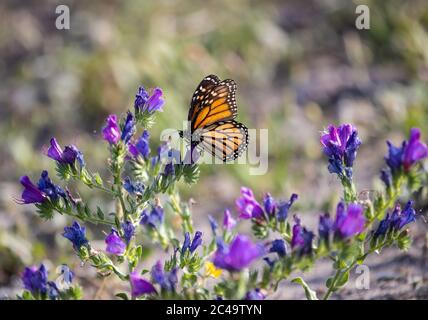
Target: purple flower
[(395, 154), (351, 222), (238, 255), (400, 218), (228, 222), (383, 227), (284, 207), (196, 242), (186, 243), (53, 291), (386, 178), (44, 189), (351, 149), (213, 224), (156, 101), (325, 226), (67, 274), (133, 187), (115, 244), (46, 186), (140, 286), (154, 218), (191, 246), (31, 193), (341, 145), (35, 280), (71, 198), (141, 147), (68, 156), (169, 169), (150, 104), (128, 231), (140, 99), (269, 262), (255, 294), (111, 131), (128, 128), (55, 152), (408, 154), (247, 205), (278, 246), (301, 238), (397, 220), (76, 234), (167, 280), (269, 204), (161, 152), (335, 140), (414, 150)]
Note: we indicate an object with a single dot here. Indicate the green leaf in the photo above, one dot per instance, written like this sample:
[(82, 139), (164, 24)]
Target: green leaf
[(191, 173), (329, 282), (342, 280), (414, 180), (404, 241), (97, 179), (87, 211), (144, 271), (26, 295), (73, 293), (100, 213), (139, 252), (122, 295), (309, 293)]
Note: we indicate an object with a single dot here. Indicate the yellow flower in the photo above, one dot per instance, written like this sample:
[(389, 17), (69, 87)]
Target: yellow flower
[(211, 270)]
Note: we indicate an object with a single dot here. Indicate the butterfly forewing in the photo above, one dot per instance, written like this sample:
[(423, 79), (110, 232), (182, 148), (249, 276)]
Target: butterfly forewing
[(213, 101), (199, 95), (226, 140)]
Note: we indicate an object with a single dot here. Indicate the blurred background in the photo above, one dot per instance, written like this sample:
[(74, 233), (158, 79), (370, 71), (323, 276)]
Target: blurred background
[(299, 66)]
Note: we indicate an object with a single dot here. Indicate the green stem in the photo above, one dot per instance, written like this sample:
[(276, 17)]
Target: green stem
[(118, 184), (339, 272), (86, 218), (349, 191), (362, 257)]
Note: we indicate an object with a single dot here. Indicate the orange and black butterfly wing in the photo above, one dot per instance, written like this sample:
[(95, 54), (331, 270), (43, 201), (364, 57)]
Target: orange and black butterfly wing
[(201, 91), (212, 101), (226, 140)]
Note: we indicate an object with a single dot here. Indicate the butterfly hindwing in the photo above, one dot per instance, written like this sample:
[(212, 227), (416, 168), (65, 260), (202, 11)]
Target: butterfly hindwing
[(226, 140)]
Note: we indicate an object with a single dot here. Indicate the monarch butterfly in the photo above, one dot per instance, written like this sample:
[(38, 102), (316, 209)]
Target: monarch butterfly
[(211, 117)]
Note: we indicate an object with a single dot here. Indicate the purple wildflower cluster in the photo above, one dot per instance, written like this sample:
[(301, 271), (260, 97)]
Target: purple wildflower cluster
[(340, 145), (148, 103), (67, 156), (76, 234), (45, 190), (166, 281), (35, 280), (403, 158), (249, 208), (396, 220)]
